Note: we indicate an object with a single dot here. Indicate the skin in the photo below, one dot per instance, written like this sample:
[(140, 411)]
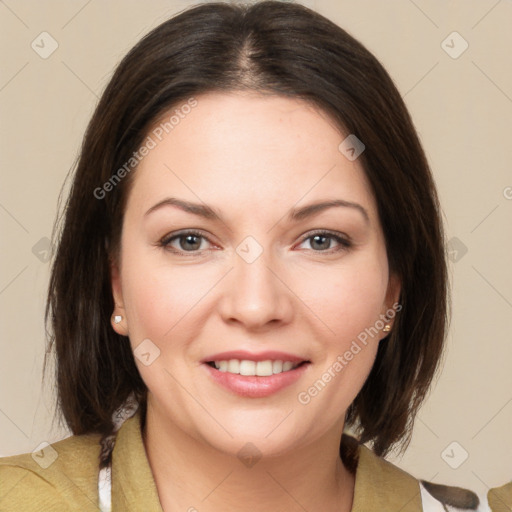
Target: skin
[(252, 158)]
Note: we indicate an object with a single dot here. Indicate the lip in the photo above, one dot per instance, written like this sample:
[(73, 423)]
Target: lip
[(252, 386), (250, 356)]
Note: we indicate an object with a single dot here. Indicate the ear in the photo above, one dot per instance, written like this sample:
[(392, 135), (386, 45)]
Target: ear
[(393, 291), (391, 304), (120, 327)]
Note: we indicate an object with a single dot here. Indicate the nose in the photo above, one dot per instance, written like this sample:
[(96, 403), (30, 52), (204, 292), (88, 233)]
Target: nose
[(256, 294)]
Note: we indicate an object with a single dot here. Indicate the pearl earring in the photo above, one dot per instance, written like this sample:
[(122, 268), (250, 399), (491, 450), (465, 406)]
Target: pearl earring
[(117, 319)]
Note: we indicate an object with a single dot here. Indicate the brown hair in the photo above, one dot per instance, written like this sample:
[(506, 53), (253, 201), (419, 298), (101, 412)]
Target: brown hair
[(274, 48)]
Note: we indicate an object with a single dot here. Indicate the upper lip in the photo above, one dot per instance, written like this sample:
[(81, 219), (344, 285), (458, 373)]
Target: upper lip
[(272, 355)]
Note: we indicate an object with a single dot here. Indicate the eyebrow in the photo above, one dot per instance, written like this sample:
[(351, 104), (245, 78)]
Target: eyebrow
[(294, 215)]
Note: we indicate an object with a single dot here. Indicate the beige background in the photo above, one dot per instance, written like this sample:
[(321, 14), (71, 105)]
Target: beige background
[(462, 108)]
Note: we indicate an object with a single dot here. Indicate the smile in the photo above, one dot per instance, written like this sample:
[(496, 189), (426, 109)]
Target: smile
[(252, 375), (257, 368)]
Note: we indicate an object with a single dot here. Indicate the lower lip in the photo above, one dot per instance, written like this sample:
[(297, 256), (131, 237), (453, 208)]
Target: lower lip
[(252, 386)]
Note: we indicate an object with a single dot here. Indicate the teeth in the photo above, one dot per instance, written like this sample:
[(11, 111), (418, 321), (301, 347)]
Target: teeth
[(264, 368), (233, 366), (247, 367), (277, 366), (287, 366), (260, 368)]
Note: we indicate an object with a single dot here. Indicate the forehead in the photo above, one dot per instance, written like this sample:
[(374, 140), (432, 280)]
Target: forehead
[(246, 150)]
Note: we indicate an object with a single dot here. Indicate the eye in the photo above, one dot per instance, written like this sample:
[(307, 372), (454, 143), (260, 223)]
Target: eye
[(320, 241), (184, 242), (191, 242)]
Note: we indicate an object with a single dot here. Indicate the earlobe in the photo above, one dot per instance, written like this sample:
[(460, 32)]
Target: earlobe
[(118, 318)]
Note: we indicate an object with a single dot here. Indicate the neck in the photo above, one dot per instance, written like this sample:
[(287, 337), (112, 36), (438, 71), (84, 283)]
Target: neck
[(193, 476)]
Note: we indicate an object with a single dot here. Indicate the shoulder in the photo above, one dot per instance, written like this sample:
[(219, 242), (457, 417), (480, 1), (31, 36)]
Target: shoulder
[(61, 476), (381, 485), (500, 498)]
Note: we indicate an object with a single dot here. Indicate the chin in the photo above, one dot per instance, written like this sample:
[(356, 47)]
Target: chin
[(273, 431), (251, 446)]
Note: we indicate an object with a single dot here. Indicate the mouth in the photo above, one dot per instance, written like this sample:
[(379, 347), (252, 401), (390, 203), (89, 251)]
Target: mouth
[(249, 368), (255, 375)]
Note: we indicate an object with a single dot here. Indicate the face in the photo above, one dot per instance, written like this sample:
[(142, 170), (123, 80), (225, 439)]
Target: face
[(225, 266)]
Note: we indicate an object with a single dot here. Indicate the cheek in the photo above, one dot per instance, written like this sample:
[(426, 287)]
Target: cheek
[(346, 357), (349, 305), (160, 305), (158, 292), (159, 300), (348, 300)]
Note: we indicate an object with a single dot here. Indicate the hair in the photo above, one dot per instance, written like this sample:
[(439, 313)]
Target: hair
[(276, 48)]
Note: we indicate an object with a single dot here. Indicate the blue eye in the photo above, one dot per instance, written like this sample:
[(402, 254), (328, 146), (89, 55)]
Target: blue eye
[(190, 243)]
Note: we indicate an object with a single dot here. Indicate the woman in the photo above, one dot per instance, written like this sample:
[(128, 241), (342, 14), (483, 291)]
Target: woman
[(250, 263)]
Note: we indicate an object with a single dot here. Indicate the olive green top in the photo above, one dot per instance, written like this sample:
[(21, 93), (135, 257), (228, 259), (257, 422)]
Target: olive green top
[(63, 477), (500, 498)]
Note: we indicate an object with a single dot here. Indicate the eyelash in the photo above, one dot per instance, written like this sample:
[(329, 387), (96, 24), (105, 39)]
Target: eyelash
[(165, 242)]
